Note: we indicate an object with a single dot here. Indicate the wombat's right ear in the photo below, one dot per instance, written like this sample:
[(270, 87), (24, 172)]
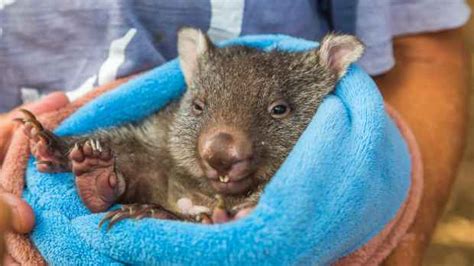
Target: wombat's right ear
[(337, 52), (192, 43)]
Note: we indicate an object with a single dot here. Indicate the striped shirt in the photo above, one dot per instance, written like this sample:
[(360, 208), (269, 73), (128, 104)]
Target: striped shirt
[(69, 45)]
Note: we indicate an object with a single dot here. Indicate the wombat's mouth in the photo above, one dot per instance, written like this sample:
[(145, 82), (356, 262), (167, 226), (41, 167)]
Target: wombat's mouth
[(224, 185)]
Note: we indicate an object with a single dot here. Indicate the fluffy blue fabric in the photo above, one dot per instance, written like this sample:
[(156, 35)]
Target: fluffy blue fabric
[(343, 182)]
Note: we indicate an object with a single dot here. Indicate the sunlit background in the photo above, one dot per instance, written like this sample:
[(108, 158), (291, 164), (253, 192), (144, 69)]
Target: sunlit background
[(453, 242)]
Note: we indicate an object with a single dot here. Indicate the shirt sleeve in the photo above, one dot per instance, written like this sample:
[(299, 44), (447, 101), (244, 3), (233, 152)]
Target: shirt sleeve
[(378, 22)]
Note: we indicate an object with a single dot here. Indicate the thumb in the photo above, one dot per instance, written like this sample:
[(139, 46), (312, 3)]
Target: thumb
[(49, 103), (20, 213)]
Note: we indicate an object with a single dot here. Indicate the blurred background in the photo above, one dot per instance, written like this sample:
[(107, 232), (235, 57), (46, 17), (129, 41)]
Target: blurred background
[(453, 241)]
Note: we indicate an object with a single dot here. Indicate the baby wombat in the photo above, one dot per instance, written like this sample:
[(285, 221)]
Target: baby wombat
[(243, 111)]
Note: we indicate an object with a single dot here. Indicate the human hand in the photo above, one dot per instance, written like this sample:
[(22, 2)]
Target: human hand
[(15, 215)]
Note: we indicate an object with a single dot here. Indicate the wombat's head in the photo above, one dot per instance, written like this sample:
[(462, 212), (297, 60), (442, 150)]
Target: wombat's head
[(245, 109)]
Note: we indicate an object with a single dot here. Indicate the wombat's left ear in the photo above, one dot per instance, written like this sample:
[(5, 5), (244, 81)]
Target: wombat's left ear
[(337, 52), (192, 43)]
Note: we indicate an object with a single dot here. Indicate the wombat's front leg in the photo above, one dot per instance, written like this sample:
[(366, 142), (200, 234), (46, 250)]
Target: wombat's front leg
[(49, 150), (97, 181)]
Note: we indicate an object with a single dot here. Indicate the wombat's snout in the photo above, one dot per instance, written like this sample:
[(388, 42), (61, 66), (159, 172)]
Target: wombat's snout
[(227, 159)]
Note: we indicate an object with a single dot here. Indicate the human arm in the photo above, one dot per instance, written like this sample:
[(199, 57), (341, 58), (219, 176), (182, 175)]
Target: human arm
[(429, 87)]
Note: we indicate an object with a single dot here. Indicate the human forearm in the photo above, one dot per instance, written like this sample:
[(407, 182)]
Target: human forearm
[(429, 87)]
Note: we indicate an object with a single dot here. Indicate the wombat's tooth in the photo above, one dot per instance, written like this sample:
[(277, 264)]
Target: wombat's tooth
[(226, 179)]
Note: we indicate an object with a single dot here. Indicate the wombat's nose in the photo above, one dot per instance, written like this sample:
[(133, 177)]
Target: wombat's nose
[(228, 153)]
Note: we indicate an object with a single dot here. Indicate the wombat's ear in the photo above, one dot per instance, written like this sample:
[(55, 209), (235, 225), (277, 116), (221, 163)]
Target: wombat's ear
[(192, 43), (337, 52)]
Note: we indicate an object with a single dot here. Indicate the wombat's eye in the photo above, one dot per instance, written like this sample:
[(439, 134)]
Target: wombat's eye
[(279, 109), (197, 107)]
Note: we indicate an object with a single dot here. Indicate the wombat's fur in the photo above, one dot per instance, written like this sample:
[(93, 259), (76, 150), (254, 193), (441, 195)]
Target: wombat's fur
[(160, 160)]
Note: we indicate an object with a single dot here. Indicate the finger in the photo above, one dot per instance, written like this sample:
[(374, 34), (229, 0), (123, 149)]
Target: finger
[(23, 218), (5, 217), (48, 103), (9, 261), (5, 224)]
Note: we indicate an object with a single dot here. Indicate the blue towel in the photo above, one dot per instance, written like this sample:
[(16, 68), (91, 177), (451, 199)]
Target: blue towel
[(345, 179)]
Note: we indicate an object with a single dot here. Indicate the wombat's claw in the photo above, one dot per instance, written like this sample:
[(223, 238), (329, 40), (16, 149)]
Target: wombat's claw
[(28, 116), (44, 145), (137, 212), (98, 184), (203, 218), (39, 162), (220, 202)]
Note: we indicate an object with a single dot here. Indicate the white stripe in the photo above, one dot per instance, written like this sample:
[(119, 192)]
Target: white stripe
[(226, 19), (29, 94), (87, 86), (108, 70), (4, 3)]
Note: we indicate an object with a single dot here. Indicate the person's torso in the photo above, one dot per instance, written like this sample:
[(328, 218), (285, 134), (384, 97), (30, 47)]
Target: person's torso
[(65, 45)]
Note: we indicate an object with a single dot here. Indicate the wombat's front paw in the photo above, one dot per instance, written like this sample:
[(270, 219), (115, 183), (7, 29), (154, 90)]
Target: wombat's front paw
[(220, 214), (47, 148), (138, 211), (98, 183)]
